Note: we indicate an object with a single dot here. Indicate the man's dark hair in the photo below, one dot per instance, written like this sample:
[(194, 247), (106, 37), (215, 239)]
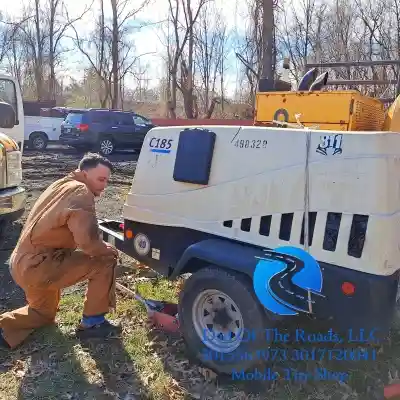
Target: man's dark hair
[(92, 160)]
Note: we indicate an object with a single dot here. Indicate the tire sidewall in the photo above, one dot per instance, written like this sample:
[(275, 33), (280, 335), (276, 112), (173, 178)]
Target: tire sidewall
[(240, 291), (42, 137)]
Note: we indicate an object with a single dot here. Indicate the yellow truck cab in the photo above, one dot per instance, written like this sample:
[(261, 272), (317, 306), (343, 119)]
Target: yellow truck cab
[(12, 194)]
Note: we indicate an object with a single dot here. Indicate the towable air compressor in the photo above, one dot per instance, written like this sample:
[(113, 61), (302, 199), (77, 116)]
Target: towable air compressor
[(272, 223)]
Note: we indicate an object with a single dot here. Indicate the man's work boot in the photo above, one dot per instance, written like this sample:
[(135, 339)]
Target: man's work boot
[(96, 327)]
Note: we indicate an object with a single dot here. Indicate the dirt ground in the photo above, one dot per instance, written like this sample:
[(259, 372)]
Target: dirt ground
[(144, 366)]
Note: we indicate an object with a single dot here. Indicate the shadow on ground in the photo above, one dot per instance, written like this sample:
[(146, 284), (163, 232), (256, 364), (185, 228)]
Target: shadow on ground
[(64, 367)]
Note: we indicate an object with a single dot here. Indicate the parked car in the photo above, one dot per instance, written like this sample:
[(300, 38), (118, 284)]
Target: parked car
[(104, 130), (43, 126)]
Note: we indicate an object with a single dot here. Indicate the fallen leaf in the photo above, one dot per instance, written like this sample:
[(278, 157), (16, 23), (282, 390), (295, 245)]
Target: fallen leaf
[(38, 369), (147, 378), (149, 324), (207, 373), (20, 373), (181, 366), (19, 364)]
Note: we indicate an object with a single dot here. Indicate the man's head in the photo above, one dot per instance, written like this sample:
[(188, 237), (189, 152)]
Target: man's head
[(97, 171)]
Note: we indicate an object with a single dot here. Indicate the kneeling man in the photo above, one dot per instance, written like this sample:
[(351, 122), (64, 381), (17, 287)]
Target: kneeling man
[(60, 246)]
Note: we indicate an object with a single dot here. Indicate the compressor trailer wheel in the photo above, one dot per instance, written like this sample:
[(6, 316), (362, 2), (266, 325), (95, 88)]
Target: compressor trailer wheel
[(217, 314), (221, 320)]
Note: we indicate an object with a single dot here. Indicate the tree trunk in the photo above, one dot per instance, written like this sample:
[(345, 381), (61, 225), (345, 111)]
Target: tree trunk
[(39, 59), (115, 56), (52, 77), (172, 98), (268, 36)]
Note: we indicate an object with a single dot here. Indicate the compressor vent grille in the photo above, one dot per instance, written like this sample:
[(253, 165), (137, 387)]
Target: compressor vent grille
[(356, 234)]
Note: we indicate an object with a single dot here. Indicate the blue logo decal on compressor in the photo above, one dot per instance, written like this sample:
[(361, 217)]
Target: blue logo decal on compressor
[(283, 277)]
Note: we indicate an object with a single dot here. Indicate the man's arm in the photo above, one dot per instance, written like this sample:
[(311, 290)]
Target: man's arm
[(82, 222)]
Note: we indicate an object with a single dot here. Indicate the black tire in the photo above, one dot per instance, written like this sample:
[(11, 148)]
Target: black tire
[(38, 141), (239, 289), (106, 146)]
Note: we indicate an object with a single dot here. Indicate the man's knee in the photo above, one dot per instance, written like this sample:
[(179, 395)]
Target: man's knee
[(46, 315), (28, 317)]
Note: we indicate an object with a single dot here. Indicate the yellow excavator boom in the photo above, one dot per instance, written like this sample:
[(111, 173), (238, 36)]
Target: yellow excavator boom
[(392, 119)]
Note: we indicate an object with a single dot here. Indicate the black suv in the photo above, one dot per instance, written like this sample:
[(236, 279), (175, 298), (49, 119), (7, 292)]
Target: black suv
[(104, 130)]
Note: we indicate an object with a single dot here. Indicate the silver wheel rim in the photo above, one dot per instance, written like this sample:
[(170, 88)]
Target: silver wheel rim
[(106, 146), (38, 143), (208, 309)]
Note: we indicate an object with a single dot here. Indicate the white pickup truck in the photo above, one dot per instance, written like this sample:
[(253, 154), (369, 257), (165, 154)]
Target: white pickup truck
[(45, 128)]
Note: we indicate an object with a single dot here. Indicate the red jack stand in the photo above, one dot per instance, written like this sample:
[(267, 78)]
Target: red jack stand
[(392, 391), (161, 314), (165, 319)]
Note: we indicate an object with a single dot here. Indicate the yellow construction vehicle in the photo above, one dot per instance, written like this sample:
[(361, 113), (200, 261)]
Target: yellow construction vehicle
[(346, 110), (392, 120)]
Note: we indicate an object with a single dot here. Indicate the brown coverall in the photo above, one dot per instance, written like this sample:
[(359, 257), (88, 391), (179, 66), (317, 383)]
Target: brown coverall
[(46, 258)]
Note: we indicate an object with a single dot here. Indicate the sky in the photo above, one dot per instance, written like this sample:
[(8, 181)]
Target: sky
[(148, 39)]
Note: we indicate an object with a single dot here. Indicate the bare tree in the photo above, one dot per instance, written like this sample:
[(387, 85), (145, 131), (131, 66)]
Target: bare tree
[(115, 54), (268, 27), (297, 33), (8, 32), (250, 51), (223, 41), (209, 56), (166, 83), (112, 58), (58, 25), (37, 36), (182, 58), (12, 50)]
